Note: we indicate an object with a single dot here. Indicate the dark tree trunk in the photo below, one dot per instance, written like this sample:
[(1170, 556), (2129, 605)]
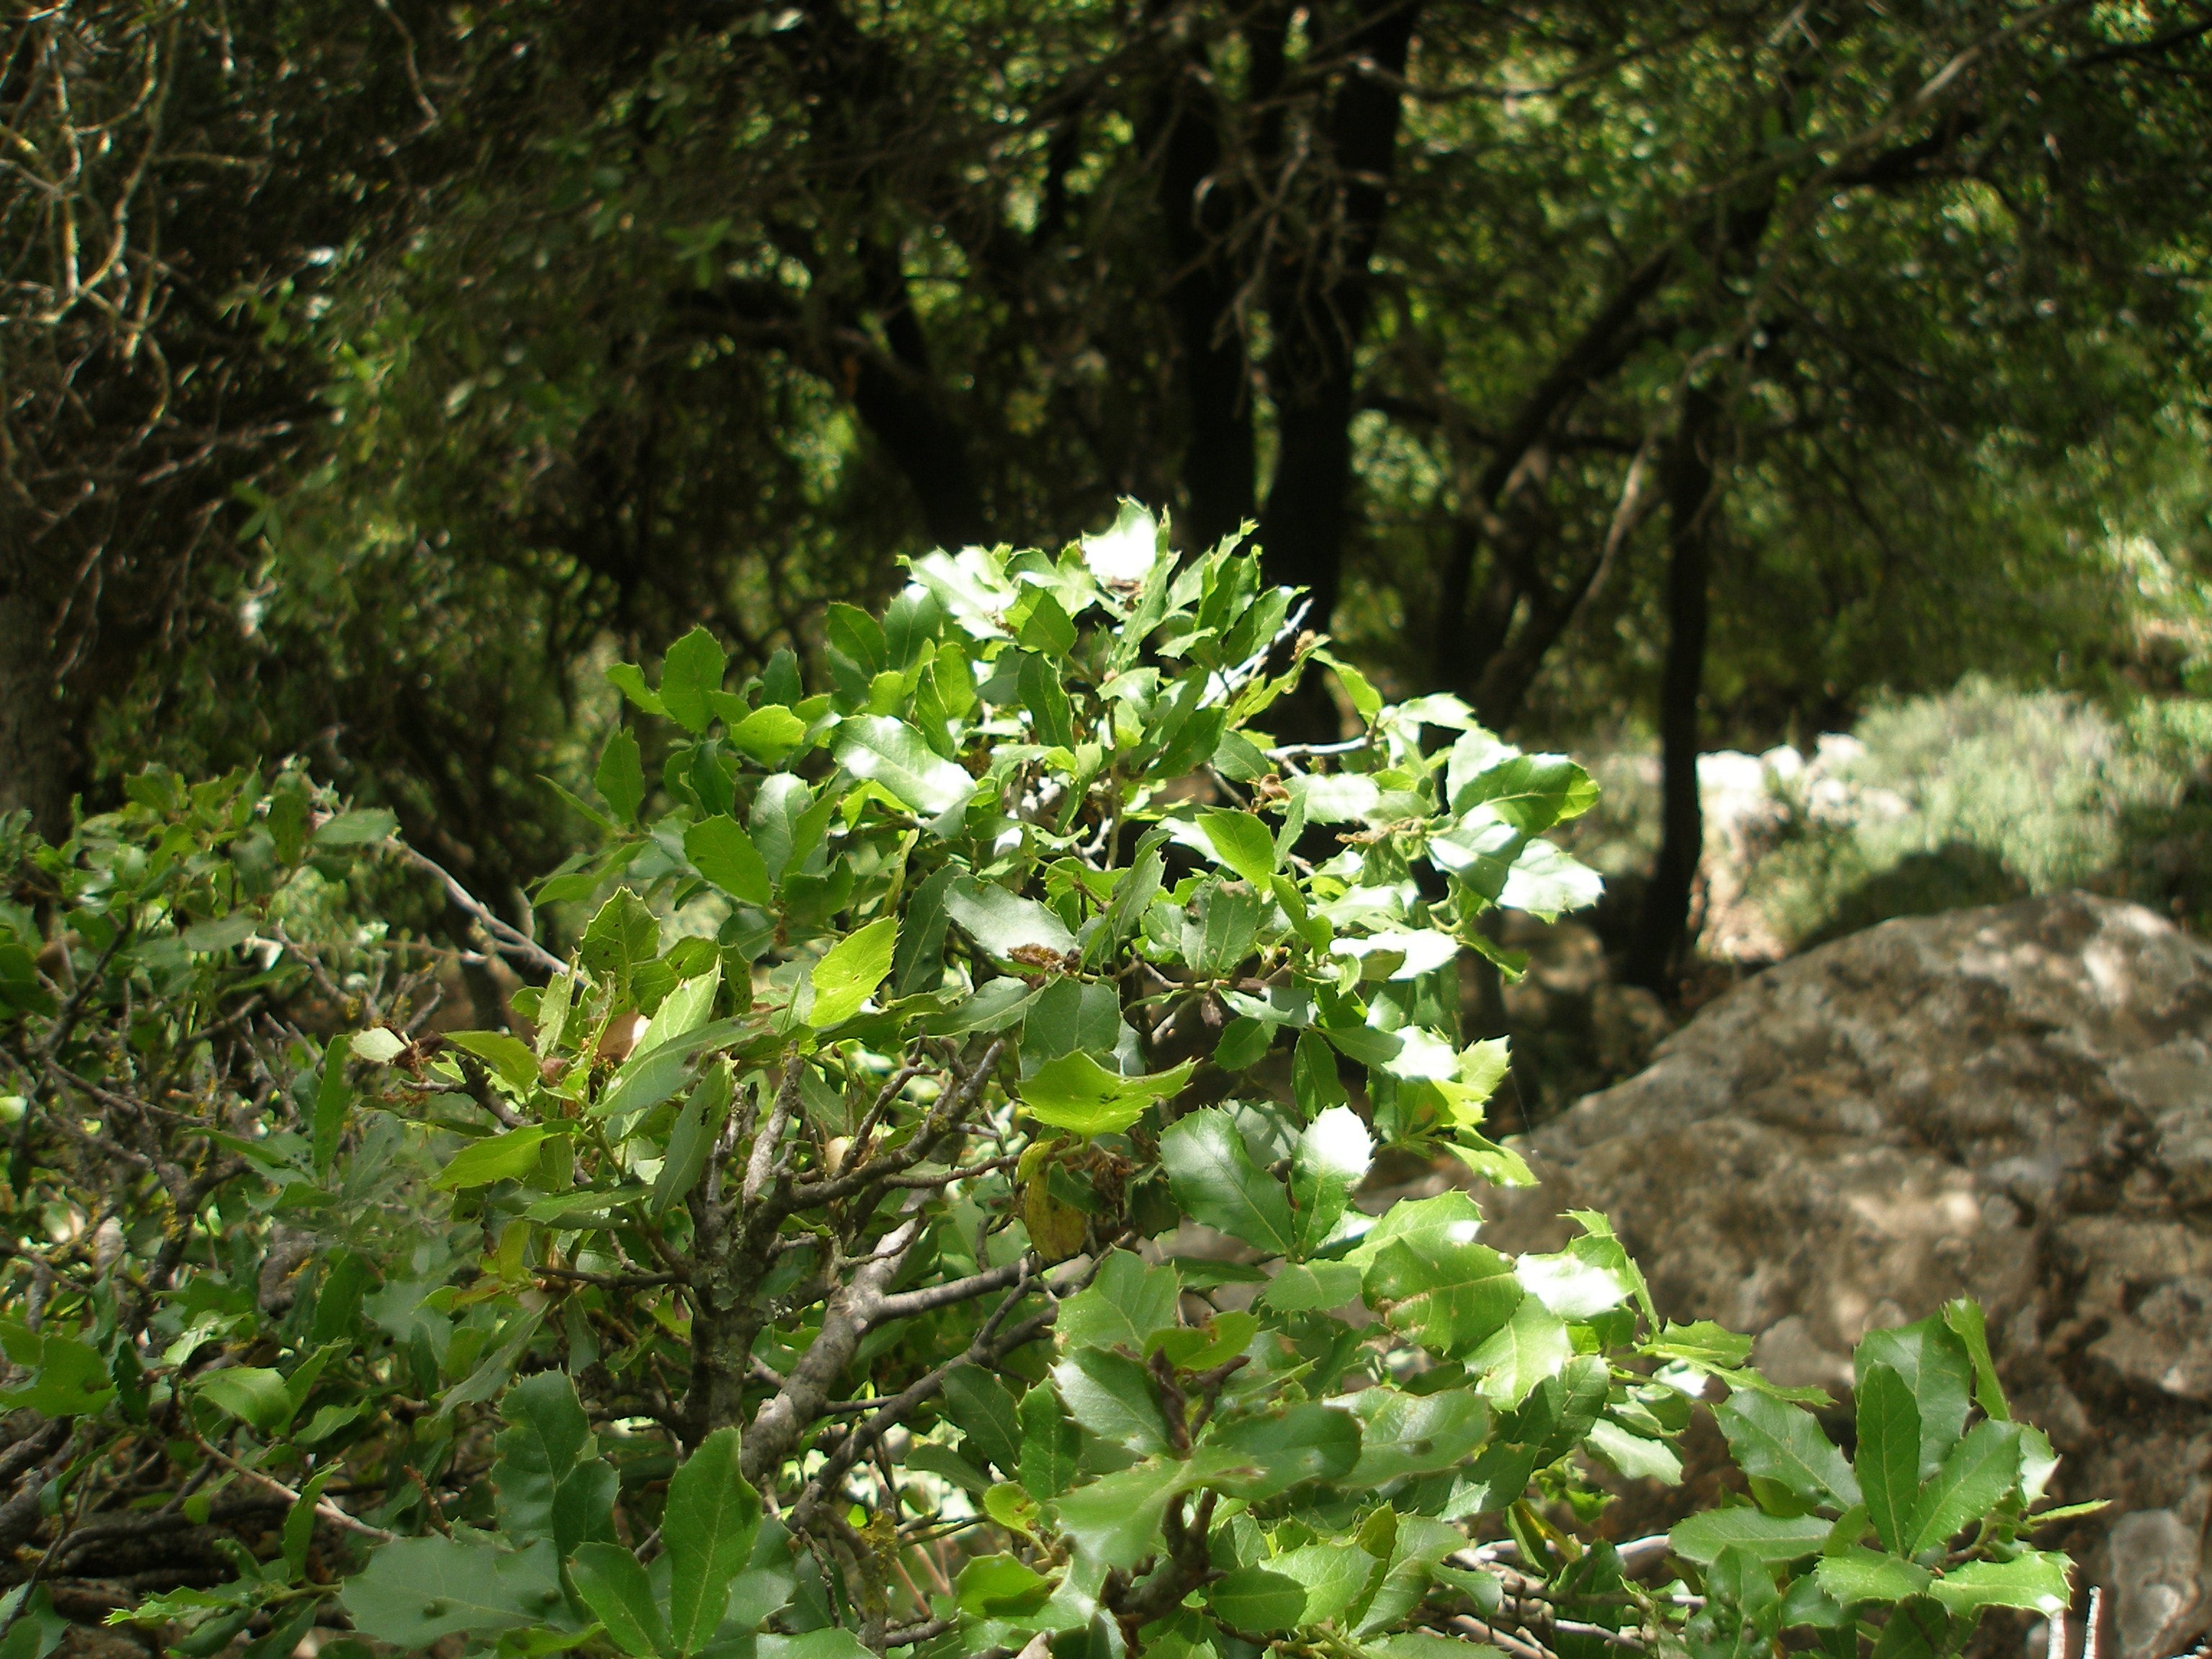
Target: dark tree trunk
[(1686, 477), (1318, 307), (35, 751)]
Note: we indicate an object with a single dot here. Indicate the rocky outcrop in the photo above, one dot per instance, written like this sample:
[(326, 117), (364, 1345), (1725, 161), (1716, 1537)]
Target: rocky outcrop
[(2013, 1103)]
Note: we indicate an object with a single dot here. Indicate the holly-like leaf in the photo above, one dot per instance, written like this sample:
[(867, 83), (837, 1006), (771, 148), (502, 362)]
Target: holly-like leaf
[(1888, 1460), (708, 1525), (847, 976), (1783, 1443), (892, 753), (1240, 840), (724, 854), (416, 1590), (1076, 1093), (1213, 1176)]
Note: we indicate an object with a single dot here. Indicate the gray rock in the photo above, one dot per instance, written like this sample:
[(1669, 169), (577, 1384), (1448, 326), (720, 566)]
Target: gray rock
[(2013, 1103)]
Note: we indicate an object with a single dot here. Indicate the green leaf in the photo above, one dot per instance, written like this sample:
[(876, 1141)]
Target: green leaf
[(768, 734), (1109, 1395), (1221, 933), (621, 777), (1334, 1575), (2037, 1581), (890, 752), (1240, 840), (1115, 1520), (1980, 1470), (1916, 1629), (252, 1394), (500, 1157), (1451, 1297), (1307, 1442), (629, 679), (333, 1099), (1934, 1366), (987, 1414), (724, 854), (1076, 1093), (1037, 683), (1531, 792), (1402, 1434), (1530, 1347), (416, 1590), (708, 1525), (1859, 1575), (1003, 922), (1783, 1443), (1314, 1081), (1211, 1172), (1330, 1159), (918, 964), (1545, 881), (1967, 1323), (615, 1588), (1635, 1456), (999, 1587), (847, 976), (621, 939), (1051, 1446), (552, 1483), (1123, 1306), (364, 826), (1888, 1461), (690, 673), (510, 1058), (1256, 1601), (1771, 1539), (691, 1138)]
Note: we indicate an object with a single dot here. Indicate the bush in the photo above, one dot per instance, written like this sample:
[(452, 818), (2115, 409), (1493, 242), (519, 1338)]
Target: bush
[(919, 1214)]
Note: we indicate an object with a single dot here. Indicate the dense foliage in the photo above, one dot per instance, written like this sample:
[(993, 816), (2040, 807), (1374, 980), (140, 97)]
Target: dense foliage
[(929, 1208)]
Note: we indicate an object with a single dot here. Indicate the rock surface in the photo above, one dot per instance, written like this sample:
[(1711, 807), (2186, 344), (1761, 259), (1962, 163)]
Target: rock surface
[(2013, 1103)]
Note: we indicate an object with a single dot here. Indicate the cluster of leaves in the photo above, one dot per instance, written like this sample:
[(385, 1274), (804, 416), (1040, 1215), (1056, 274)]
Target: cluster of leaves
[(921, 1213)]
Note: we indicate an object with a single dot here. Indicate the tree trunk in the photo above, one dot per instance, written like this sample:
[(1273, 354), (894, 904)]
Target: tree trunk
[(1318, 307), (34, 756), (1686, 476)]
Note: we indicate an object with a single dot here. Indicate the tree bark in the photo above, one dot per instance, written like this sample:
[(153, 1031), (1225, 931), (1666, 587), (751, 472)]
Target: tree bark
[(1686, 477), (34, 750), (1318, 307)]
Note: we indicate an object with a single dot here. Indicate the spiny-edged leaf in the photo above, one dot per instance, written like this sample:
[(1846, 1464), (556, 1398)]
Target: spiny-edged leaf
[(1531, 792), (1859, 1575), (1211, 1172), (416, 1590), (620, 779), (1402, 1433), (1980, 1470), (1110, 1394), (768, 734), (707, 1526), (1449, 1218), (614, 1586), (1330, 1159), (1308, 1442), (690, 673), (629, 679), (987, 1414), (892, 753), (721, 851), (1773, 1539), (918, 964), (1888, 1461), (1076, 1093), (1545, 881), (1256, 1600), (691, 1138), (621, 939), (1783, 1443), (1334, 1575), (1240, 840), (2037, 1581), (1936, 1369), (1530, 1347), (1968, 1324), (847, 976), (1115, 1520), (1003, 922), (1704, 1344), (1051, 1446), (1124, 1304), (552, 1482), (1313, 1075), (1451, 1297), (1221, 932)]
